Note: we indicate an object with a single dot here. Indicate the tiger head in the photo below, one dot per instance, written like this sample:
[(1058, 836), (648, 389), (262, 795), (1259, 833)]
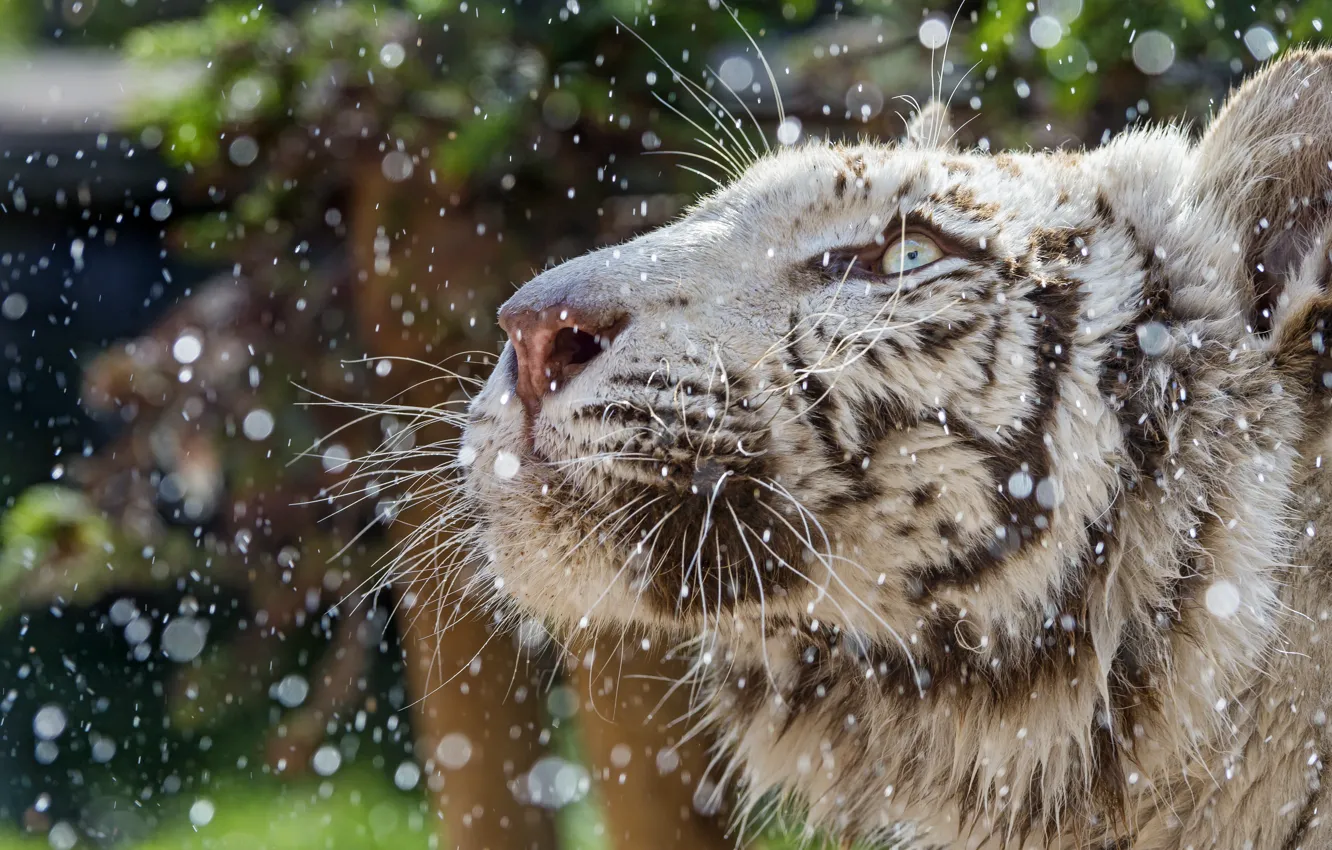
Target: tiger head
[(895, 388)]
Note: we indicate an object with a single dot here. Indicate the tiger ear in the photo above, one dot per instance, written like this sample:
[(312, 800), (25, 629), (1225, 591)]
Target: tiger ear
[(930, 128), (1267, 159)]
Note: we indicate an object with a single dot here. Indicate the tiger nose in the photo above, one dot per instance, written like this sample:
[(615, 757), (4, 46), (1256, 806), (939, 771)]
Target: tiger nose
[(553, 344)]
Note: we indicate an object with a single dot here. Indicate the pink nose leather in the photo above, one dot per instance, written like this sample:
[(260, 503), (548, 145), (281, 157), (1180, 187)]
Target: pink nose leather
[(553, 345)]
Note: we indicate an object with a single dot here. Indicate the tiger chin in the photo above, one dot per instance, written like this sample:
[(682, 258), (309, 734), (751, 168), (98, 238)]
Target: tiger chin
[(988, 490)]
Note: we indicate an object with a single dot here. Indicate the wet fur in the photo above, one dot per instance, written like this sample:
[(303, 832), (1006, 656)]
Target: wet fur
[(943, 542)]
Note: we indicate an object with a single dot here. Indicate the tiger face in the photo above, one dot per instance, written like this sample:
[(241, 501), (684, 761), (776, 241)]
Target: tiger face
[(820, 373), (905, 432)]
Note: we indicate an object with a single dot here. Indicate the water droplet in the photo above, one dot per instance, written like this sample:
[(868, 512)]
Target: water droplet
[(62, 836), (46, 752), (562, 702), (201, 812), (554, 783), (246, 94), (292, 690), (258, 424), (1046, 31), (326, 760), (160, 210), (122, 611), (397, 166), (407, 775), (138, 630), (506, 465), (1065, 11), (184, 638), (621, 754), (187, 347), (668, 760), (933, 33), (392, 55), (49, 722), (864, 100), (1261, 42), (1048, 493), (1020, 485), (454, 751), (1222, 598), (335, 458), (1154, 338), (243, 151), (788, 132), (561, 110), (736, 72), (103, 749), (1153, 52), (707, 798), (14, 306), (383, 367)]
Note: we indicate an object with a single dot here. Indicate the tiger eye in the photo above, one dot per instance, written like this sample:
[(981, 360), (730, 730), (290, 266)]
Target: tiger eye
[(909, 254)]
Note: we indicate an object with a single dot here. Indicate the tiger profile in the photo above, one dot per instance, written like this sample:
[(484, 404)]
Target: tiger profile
[(987, 490)]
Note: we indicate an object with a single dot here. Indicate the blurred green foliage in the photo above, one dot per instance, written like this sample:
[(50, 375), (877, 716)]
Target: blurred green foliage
[(492, 95), (1092, 65), (57, 547), (361, 811)]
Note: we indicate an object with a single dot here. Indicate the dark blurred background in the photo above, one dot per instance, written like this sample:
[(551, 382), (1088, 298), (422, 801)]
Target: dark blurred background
[(217, 214)]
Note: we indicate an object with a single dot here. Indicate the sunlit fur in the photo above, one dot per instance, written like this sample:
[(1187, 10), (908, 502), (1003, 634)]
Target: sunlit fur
[(945, 542)]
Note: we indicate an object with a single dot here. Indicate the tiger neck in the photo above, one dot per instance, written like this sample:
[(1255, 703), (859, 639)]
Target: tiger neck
[(1123, 664)]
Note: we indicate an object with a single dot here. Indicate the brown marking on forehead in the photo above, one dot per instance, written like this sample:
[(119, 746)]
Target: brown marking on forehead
[(1061, 198), (1060, 244), (1007, 164), (963, 199), (839, 184), (1063, 158), (954, 167), (856, 165)]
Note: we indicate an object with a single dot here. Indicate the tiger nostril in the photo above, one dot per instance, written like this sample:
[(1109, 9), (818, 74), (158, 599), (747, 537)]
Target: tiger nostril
[(575, 347), (553, 345)]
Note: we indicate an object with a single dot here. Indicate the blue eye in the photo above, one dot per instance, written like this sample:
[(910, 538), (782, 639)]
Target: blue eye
[(909, 254)]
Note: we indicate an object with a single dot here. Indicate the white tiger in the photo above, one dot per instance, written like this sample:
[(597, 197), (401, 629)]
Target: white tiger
[(988, 489)]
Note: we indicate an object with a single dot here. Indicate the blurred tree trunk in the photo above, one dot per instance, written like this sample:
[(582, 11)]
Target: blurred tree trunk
[(452, 696), (633, 726)]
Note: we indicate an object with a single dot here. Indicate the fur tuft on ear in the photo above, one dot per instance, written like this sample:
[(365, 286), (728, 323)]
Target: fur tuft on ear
[(1267, 158), (931, 128)]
